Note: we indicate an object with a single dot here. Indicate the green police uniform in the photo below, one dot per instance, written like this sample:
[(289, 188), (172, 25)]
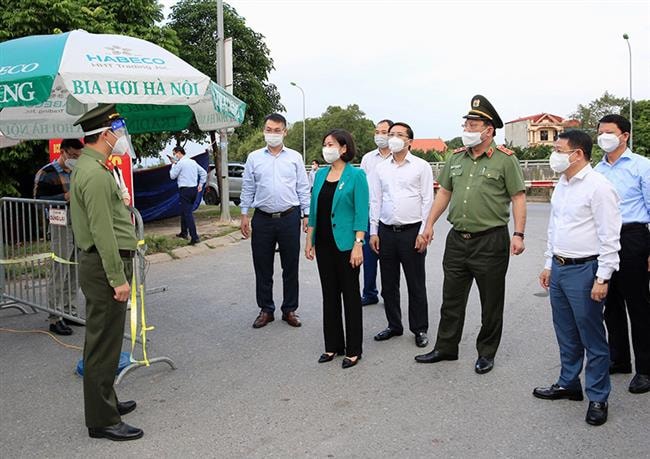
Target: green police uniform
[(477, 248), (104, 233)]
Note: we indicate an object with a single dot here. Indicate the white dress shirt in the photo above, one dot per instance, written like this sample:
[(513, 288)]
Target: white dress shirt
[(188, 173), (585, 220), (371, 160), (400, 193)]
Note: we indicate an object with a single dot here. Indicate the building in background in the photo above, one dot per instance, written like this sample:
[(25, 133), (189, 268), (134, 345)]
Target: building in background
[(540, 129), (428, 145)]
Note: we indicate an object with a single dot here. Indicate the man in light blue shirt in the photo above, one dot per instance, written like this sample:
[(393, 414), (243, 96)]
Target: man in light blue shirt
[(275, 184), (630, 175), (190, 178)]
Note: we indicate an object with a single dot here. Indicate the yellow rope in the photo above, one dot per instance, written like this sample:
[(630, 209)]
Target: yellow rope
[(67, 346)]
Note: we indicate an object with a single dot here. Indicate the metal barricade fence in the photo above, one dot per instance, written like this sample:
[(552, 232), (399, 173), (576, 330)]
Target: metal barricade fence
[(38, 262)]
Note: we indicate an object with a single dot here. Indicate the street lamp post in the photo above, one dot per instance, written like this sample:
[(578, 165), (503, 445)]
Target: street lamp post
[(304, 136), (626, 37)]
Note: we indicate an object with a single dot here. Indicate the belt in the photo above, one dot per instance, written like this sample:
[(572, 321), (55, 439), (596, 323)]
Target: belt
[(633, 226), (574, 261), (400, 228), (275, 214), (468, 236), (123, 253)]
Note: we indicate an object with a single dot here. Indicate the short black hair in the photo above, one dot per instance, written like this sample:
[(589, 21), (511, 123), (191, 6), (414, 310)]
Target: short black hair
[(316, 161), (387, 121), (578, 139), (71, 143), (409, 131), (343, 137), (277, 118), (179, 149), (620, 121)]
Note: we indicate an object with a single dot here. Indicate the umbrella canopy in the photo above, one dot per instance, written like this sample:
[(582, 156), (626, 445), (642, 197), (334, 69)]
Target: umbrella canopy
[(49, 81)]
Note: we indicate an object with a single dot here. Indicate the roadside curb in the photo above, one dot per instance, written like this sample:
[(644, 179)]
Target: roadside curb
[(192, 250)]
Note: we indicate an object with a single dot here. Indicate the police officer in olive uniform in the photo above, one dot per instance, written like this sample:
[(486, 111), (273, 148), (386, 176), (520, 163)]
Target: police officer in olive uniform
[(480, 181), (104, 233)]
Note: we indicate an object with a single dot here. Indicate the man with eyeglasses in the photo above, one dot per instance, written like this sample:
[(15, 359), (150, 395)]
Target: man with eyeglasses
[(401, 193), (581, 255), (102, 228), (479, 182), (369, 162), (275, 184)]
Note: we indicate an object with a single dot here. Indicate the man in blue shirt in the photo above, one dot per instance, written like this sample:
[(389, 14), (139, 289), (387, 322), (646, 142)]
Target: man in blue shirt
[(190, 178), (630, 175), (275, 184)]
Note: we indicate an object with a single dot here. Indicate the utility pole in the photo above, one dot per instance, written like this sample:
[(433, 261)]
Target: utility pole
[(626, 37), (223, 134)]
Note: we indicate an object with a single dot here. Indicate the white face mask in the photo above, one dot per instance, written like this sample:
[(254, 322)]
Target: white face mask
[(273, 140), (331, 154), (608, 142), (395, 144), (121, 145), (560, 162), (381, 140), (70, 163), (471, 139)]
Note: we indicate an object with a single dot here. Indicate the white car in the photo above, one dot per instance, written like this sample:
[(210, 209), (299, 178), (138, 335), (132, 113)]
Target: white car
[(235, 174)]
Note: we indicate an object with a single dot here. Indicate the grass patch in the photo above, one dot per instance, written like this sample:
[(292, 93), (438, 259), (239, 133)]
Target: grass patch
[(204, 212), (158, 243)]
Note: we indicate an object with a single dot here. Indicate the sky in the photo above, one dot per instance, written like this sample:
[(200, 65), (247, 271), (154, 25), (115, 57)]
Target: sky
[(422, 61)]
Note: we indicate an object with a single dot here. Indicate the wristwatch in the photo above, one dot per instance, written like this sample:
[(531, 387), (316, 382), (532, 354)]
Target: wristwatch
[(360, 241), (517, 233), (601, 281)]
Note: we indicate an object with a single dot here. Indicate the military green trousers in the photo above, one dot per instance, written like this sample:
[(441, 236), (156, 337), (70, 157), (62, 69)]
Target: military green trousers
[(484, 259), (103, 344)]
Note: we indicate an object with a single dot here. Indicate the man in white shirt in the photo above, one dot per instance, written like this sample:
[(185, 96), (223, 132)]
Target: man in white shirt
[(401, 193), (581, 255), (190, 178), (369, 162)]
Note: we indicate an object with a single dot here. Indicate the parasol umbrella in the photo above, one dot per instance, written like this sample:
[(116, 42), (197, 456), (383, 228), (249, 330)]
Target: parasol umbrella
[(48, 81)]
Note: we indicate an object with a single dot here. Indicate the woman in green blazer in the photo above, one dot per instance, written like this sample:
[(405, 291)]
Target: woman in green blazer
[(338, 219)]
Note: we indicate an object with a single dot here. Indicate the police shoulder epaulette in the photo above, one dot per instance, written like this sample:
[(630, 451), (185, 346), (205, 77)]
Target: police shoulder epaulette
[(505, 150), (103, 164), (460, 150)]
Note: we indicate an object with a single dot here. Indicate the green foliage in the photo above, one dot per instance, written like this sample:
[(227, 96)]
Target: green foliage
[(454, 143), (431, 156), (195, 23), (589, 114), (253, 142), (351, 118), (640, 126), (534, 152)]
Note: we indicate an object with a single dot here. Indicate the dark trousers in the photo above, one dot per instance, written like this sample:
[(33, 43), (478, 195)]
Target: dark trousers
[(338, 279), (188, 196), (578, 323), (267, 232), (484, 259), (395, 249), (103, 342), (370, 260), (628, 289)]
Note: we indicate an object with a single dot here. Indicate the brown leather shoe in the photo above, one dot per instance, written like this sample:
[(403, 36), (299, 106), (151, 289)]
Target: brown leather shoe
[(292, 319), (263, 319)]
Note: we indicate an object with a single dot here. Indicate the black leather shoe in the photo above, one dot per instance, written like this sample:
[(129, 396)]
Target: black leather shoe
[(556, 392), (60, 328), (74, 324), (597, 413), (119, 432), (325, 357), (640, 384), (194, 242), (421, 339), (622, 368), (484, 365), (435, 356), (349, 363), (126, 407), (387, 333), (182, 236), (368, 301)]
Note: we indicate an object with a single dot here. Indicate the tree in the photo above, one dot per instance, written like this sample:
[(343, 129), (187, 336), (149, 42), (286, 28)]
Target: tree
[(195, 23), (640, 126), (454, 143), (589, 114), (20, 18)]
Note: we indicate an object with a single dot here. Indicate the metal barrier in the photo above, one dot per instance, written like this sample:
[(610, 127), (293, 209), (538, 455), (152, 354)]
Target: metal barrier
[(38, 263)]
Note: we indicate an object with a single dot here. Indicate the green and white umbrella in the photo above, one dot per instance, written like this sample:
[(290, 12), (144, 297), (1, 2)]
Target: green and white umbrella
[(48, 81)]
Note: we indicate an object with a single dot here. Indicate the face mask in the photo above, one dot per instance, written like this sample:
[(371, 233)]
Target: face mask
[(381, 141), (560, 162), (471, 139), (70, 163), (273, 140), (331, 154), (395, 144), (313, 168), (608, 142), (121, 145)]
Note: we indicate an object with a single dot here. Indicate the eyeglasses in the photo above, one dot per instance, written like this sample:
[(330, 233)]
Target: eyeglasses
[(471, 125), (403, 135)]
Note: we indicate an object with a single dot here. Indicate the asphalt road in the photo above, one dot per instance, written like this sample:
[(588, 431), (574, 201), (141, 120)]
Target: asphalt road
[(240, 392)]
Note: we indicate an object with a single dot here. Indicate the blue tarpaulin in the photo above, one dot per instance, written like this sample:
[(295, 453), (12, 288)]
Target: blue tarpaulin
[(156, 195)]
